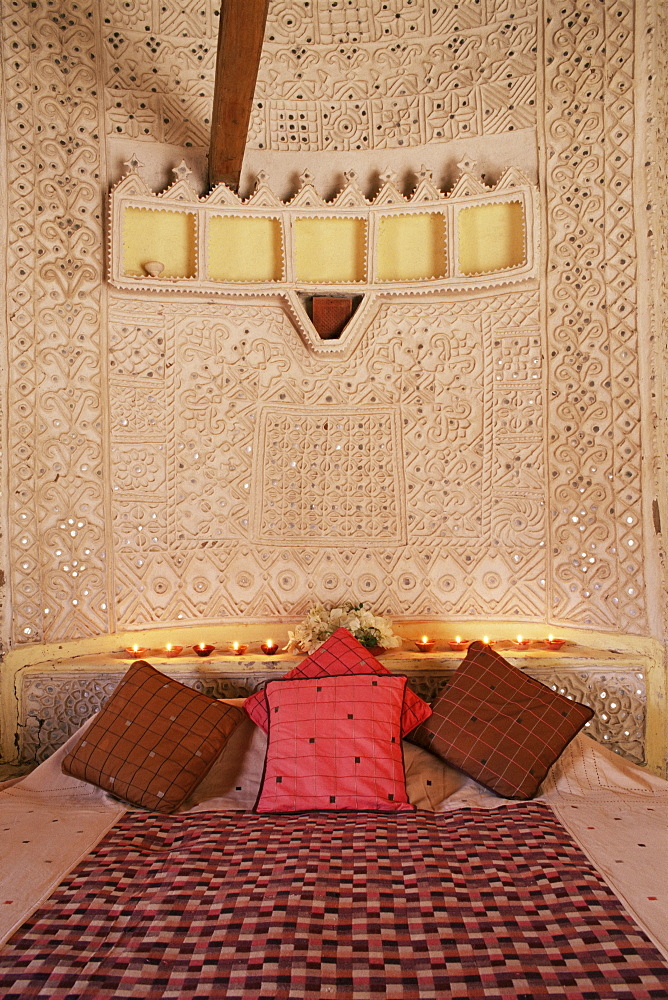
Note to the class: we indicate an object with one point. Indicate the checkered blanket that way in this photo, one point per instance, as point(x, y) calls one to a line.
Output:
point(476, 903)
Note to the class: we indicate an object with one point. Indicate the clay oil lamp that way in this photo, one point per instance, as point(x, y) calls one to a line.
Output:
point(204, 648)
point(425, 644)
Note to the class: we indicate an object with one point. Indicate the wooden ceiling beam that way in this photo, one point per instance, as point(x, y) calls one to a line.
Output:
point(240, 38)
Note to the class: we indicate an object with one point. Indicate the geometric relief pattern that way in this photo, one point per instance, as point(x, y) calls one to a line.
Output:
point(399, 73)
point(330, 480)
point(54, 283)
point(340, 76)
point(656, 241)
point(497, 467)
point(595, 448)
point(54, 705)
point(250, 476)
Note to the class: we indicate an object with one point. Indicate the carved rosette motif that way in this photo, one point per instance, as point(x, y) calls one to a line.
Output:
point(54, 275)
point(596, 517)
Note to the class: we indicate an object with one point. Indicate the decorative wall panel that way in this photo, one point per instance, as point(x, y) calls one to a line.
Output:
point(368, 75)
point(655, 69)
point(499, 453)
point(595, 454)
point(250, 476)
point(54, 292)
point(476, 235)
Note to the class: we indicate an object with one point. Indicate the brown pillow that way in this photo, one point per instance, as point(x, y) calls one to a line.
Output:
point(153, 741)
point(499, 726)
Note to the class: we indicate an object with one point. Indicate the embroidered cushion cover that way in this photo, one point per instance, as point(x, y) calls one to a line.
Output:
point(342, 654)
point(334, 743)
point(153, 741)
point(499, 726)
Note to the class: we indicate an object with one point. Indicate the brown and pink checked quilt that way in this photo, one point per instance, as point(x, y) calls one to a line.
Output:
point(470, 904)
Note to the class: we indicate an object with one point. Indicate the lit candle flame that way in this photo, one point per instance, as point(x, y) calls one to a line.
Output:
point(519, 638)
point(135, 648)
point(201, 645)
point(425, 638)
point(235, 645)
point(550, 638)
point(168, 647)
point(485, 639)
point(458, 638)
point(269, 642)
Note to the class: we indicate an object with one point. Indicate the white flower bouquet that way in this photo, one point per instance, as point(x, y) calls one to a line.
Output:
point(370, 630)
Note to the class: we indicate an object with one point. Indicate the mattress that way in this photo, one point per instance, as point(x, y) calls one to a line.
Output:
point(469, 896)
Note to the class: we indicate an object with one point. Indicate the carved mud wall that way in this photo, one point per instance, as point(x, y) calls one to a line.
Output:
point(375, 74)
point(491, 445)
point(655, 170)
point(250, 477)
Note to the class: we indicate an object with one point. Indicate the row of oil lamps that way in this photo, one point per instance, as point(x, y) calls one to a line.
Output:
point(458, 645)
point(203, 649)
point(269, 647)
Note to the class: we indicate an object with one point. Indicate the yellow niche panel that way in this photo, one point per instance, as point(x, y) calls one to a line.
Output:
point(491, 237)
point(168, 237)
point(244, 249)
point(411, 247)
point(330, 250)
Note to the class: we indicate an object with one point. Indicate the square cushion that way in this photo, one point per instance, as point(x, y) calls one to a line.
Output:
point(153, 741)
point(342, 654)
point(334, 743)
point(499, 726)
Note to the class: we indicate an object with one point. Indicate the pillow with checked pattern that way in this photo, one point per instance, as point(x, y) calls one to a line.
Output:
point(341, 654)
point(499, 726)
point(334, 743)
point(153, 741)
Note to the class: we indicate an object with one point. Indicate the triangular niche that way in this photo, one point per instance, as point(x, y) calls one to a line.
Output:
point(300, 310)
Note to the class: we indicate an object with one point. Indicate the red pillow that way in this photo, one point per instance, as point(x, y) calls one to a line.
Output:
point(335, 743)
point(500, 726)
point(341, 654)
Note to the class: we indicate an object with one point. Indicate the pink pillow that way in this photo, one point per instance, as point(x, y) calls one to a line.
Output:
point(339, 655)
point(335, 743)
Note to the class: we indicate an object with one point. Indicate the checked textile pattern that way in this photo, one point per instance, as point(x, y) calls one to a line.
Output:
point(346, 905)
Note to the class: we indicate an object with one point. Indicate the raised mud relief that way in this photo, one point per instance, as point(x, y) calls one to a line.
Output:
point(339, 76)
point(54, 292)
point(273, 477)
point(594, 444)
point(502, 440)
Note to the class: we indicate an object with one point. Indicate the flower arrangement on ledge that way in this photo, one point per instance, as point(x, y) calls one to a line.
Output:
point(370, 630)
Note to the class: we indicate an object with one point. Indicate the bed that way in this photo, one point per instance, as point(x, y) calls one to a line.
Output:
point(461, 894)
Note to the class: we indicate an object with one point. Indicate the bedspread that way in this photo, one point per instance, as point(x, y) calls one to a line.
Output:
point(473, 903)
